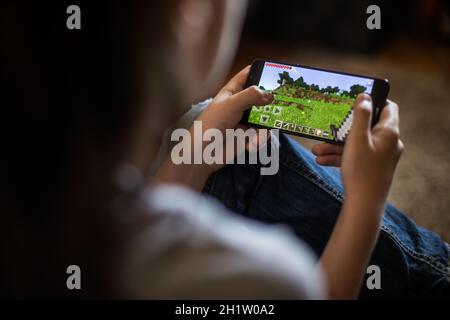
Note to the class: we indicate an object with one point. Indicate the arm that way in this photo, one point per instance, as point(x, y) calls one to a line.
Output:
point(193, 176)
point(368, 162)
point(348, 250)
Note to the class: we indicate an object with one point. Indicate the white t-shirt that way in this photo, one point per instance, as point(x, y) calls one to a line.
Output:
point(188, 246)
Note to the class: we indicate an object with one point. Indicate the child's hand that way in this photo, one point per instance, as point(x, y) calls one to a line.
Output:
point(370, 156)
point(328, 154)
point(223, 113)
point(227, 108)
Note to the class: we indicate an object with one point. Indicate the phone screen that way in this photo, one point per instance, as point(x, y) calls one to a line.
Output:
point(308, 101)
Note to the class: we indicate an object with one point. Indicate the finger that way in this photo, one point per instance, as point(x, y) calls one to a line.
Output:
point(329, 160)
point(389, 117)
point(252, 96)
point(236, 84)
point(326, 148)
point(362, 118)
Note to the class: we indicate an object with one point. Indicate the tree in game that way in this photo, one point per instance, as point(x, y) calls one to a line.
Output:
point(331, 90)
point(300, 82)
point(356, 89)
point(262, 88)
point(285, 78)
point(328, 90)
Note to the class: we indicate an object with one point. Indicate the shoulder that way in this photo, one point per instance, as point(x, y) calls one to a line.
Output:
point(186, 245)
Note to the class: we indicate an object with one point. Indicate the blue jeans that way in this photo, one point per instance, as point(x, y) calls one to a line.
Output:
point(414, 262)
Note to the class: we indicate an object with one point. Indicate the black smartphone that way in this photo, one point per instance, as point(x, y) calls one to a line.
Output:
point(311, 102)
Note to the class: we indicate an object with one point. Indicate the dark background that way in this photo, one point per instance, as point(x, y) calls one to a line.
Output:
point(412, 50)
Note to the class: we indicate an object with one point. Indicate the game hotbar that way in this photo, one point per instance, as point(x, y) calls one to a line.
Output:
point(308, 101)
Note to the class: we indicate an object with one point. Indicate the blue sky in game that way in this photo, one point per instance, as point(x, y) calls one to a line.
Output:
point(270, 76)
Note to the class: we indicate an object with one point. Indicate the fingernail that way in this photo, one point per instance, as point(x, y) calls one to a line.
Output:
point(366, 104)
point(366, 97)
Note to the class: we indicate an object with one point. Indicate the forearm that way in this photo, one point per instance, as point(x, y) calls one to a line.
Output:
point(348, 251)
point(193, 176)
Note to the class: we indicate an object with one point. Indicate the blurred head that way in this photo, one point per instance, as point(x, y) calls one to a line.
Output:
point(193, 53)
point(80, 105)
point(205, 34)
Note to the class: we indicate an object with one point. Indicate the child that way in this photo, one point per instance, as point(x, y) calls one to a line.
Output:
point(86, 110)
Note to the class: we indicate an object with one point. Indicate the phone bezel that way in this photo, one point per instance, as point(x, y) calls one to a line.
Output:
point(379, 95)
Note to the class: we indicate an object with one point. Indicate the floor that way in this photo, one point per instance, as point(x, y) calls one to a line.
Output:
point(419, 73)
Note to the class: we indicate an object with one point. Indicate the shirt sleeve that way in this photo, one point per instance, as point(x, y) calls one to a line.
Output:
point(187, 246)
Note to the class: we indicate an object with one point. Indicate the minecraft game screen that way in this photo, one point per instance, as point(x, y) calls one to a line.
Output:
point(311, 102)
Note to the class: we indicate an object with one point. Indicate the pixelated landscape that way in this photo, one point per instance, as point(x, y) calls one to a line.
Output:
point(306, 107)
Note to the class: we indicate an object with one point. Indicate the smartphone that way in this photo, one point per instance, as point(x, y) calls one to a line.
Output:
point(311, 102)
